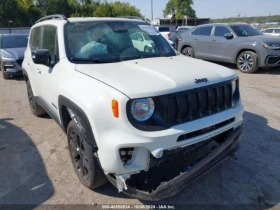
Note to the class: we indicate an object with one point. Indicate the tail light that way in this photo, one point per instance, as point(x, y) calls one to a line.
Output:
point(168, 35)
point(180, 38)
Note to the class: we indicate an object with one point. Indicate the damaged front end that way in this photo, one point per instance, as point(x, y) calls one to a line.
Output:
point(177, 167)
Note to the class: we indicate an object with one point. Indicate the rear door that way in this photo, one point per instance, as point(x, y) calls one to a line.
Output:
point(277, 32)
point(202, 41)
point(221, 47)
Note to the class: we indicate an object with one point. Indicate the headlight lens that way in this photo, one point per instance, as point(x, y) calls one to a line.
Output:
point(233, 85)
point(6, 55)
point(142, 109)
point(271, 46)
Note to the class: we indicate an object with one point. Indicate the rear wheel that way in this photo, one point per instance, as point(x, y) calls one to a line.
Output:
point(247, 62)
point(188, 51)
point(36, 109)
point(83, 158)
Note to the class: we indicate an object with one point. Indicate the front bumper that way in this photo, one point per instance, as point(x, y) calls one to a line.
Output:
point(192, 172)
point(13, 68)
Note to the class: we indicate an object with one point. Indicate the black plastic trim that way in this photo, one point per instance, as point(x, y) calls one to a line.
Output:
point(48, 109)
point(63, 101)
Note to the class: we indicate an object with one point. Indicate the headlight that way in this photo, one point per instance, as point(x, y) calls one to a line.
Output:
point(6, 55)
point(233, 86)
point(235, 93)
point(142, 109)
point(271, 46)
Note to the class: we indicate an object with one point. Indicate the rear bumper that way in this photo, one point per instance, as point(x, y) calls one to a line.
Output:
point(172, 187)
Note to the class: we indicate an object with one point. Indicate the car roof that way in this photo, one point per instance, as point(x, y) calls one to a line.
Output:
point(224, 24)
point(85, 19)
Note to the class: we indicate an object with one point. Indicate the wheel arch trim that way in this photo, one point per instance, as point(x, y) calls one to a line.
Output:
point(75, 112)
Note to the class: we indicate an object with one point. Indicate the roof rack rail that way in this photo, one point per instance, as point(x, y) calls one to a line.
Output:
point(50, 17)
point(130, 17)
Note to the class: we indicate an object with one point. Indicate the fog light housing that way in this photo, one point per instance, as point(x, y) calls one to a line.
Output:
point(126, 155)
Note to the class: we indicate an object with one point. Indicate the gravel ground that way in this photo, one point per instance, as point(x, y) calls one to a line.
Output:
point(35, 166)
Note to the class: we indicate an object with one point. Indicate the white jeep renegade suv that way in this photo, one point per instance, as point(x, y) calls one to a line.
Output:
point(149, 121)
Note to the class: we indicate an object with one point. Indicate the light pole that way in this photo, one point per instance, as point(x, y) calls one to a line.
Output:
point(152, 9)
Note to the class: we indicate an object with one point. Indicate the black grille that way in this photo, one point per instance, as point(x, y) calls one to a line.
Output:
point(19, 61)
point(194, 104)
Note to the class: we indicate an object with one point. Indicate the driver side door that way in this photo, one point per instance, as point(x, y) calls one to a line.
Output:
point(222, 48)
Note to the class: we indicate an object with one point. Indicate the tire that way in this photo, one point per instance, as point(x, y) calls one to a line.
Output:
point(247, 62)
point(188, 51)
point(5, 76)
point(83, 159)
point(36, 109)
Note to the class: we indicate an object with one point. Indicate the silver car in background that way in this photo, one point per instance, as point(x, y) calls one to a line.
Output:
point(12, 48)
point(236, 43)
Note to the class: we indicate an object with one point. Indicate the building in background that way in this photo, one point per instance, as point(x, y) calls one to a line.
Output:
point(173, 24)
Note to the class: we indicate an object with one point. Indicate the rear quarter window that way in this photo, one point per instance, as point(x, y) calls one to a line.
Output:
point(163, 29)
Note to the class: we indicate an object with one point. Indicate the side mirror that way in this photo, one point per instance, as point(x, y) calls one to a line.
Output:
point(229, 36)
point(41, 56)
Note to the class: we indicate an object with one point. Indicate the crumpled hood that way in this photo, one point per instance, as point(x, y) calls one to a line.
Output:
point(15, 52)
point(157, 76)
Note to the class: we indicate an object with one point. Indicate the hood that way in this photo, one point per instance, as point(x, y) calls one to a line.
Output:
point(268, 38)
point(15, 52)
point(157, 76)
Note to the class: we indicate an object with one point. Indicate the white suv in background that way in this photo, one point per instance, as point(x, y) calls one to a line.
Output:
point(149, 121)
point(271, 31)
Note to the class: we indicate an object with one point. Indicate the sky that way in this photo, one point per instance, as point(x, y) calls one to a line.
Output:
point(215, 8)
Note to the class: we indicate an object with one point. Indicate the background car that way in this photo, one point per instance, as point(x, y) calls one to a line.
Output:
point(12, 48)
point(176, 38)
point(142, 41)
point(183, 28)
point(164, 31)
point(271, 31)
point(237, 43)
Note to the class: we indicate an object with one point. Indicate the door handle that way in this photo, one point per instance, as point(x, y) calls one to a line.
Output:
point(214, 40)
point(195, 39)
point(38, 71)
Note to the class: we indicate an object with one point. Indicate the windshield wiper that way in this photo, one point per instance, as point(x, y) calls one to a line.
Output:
point(91, 60)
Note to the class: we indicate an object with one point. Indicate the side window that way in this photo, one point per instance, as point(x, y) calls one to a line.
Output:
point(205, 31)
point(277, 31)
point(221, 31)
point(196, 31)
point(50, 42)
point(35, 38)
point(268, 31)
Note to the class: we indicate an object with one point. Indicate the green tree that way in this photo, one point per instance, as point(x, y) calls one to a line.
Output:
point(104, 10)
point(179, 8)
point(124, 9)
point(170, 9)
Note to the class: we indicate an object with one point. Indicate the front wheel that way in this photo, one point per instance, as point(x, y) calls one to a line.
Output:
point(83, 158)
point(188, 51)
point(247, 62)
